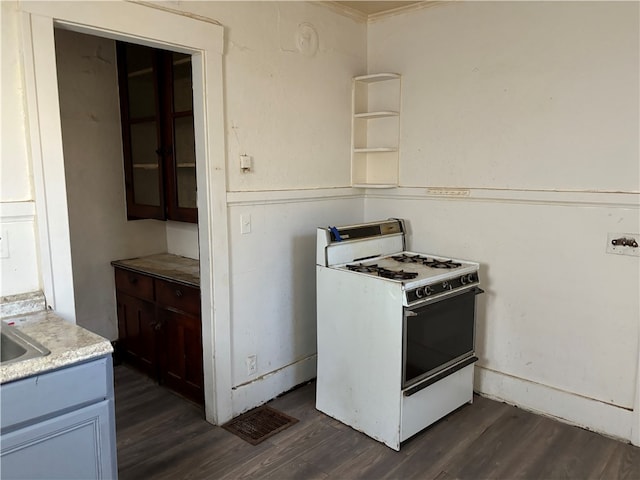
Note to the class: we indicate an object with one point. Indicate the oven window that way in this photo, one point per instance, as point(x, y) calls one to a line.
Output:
point(439, 335)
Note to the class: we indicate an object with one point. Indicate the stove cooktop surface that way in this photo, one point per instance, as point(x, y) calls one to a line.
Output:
point(412, 268)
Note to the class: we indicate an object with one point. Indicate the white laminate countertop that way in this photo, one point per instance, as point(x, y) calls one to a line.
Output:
point(67, 342)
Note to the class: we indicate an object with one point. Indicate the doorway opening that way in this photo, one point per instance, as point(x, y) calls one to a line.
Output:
point(127, 131)
point(204, 42)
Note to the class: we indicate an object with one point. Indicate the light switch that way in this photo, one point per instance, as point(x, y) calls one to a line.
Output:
point(245, 163)
point(245, 223)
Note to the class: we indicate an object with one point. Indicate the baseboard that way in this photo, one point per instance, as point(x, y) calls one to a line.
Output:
point(252, 394)
point(564, 406)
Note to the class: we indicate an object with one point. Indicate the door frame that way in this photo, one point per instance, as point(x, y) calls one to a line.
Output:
point(146, 25)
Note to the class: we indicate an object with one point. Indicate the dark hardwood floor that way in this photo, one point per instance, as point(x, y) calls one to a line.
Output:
point(162, 436)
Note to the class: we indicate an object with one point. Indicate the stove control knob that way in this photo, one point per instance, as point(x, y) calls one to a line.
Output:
point(420, 292)
point(445, 285)
point(463, 280)
point(428, 291)
point(471, 278)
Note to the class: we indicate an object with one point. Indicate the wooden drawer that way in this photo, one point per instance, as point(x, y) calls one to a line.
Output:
point(177, 296)
point(135, 284)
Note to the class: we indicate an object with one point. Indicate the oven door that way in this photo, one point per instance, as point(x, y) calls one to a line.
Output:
point(438, 335)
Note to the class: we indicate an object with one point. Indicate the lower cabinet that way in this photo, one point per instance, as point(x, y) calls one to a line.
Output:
point(137, 332)
point(159, 330)
point(182, 353)
point(60, 424)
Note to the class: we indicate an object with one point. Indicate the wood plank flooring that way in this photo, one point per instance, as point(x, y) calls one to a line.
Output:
point(162, 436)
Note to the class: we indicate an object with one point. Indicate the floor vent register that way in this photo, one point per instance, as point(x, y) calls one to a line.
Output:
point(259, 424)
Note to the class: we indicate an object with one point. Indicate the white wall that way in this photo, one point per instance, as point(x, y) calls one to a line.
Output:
point(273, 287)
point(182, 239)
point(532, 95)
point(288, 110)
point(531, 108)
point(19, 260)
point(15, 178)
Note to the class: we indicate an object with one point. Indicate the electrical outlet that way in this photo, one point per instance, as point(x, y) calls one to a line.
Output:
point(252, 364)
point(623, 244)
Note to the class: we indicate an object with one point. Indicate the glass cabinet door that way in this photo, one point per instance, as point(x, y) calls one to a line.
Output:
point(156, 104)
point(141, 132)
point(181, 201)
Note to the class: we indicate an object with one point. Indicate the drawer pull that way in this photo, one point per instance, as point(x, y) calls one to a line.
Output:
point(133, 280)
point(178, 293)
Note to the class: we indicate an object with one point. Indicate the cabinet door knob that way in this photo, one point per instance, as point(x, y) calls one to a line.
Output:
point(164, 150)
point(133, 280)
point(178, 293)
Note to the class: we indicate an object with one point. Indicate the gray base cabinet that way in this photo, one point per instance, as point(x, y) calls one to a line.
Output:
point(60, 424)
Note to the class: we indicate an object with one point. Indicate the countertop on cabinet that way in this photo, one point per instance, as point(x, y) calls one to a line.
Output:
point(164, 266)
point(67, 342)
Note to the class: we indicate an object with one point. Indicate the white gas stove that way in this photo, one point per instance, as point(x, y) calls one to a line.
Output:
point(396, 331)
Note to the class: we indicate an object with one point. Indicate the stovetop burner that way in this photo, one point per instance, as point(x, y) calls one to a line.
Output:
point(382, 272)
point(413, 269)
point(396, 274)
point(363, 268)
point(429, 262)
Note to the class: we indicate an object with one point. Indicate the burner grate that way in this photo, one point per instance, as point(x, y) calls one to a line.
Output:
point(363, 268)
point(441, 263)
point(396, 274)
point(259, 424)
point(404, 258)
point(429, 262)
point(382, 272)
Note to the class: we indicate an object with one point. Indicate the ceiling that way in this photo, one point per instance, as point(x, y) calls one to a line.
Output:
point(370, 8)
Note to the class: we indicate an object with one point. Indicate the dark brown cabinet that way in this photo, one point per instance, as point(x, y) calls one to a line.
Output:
point(160, 330)
point(181, 369)
point(156, 110)
point(136, 330)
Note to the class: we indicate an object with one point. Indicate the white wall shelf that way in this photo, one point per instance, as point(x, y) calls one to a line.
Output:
point(375, 150)
point(376, 114)
point(374, 185)
point(377, 77)
point(375, 134)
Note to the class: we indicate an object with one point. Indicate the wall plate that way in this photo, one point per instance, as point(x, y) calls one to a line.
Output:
point(252, 364)
point(622, 244)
